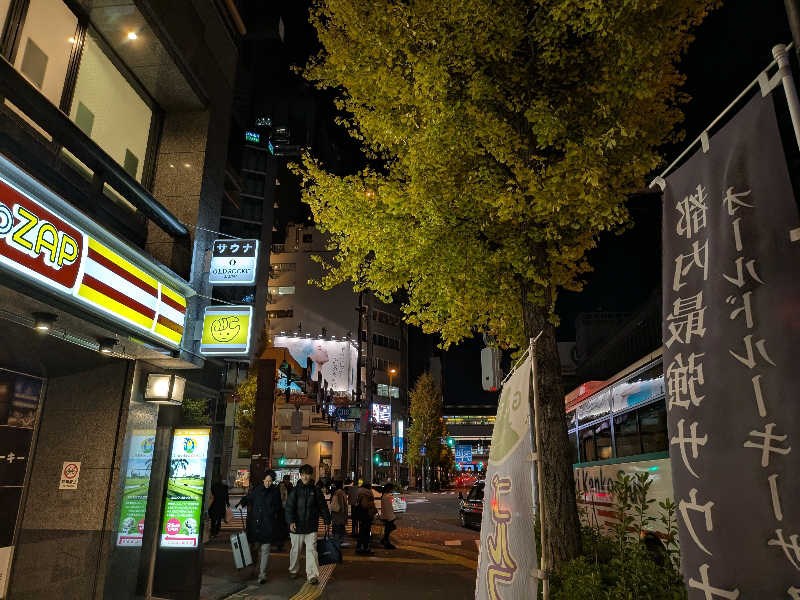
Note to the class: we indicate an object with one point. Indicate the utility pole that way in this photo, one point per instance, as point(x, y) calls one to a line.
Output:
point(359, 385)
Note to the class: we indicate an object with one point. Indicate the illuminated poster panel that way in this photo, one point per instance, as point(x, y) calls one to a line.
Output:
point(137, 482)
point(183, 510)
point(335, 359)
point(226, 330)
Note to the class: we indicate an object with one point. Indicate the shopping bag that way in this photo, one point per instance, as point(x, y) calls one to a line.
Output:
point(241, 548)
point(228, 515)
point(329, 551)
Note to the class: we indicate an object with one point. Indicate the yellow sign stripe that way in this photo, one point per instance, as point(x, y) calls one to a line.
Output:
point(167, 333)
point(165, 291)
point(115, 307)
point(121, 262)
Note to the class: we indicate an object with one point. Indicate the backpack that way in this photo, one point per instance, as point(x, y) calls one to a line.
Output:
point(367, 504)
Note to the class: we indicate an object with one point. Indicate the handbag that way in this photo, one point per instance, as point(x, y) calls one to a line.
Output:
point(228, 515)
point(328, 550)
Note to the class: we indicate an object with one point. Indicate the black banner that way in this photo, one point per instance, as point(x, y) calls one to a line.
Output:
point(731, 282)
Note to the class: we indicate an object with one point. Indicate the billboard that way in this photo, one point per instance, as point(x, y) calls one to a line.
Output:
point(382, 414)
point(233, 262)
point(183, 510)
point(336, 360)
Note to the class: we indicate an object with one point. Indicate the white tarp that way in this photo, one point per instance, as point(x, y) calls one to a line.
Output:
point(508, 545)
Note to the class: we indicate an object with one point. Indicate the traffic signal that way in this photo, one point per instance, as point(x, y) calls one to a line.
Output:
point(376, 459)
point(480, 466)
point(282, 461)
point(451, 442)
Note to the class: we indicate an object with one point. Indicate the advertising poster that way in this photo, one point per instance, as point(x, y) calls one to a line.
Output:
point(137, 482)
point(336, 360)
point(183, 510)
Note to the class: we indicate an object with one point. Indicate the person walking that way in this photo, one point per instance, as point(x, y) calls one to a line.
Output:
point(352, 499)
point(364, 512)
point(304, 506)
point(339, 513)
point(284, 487)
point(387, 515)
point(219, 506)
point(263, 508)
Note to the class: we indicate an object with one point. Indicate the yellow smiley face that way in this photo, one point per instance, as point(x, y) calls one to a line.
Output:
point(225, 329)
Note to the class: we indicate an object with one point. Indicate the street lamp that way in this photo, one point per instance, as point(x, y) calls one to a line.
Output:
point(395, 470)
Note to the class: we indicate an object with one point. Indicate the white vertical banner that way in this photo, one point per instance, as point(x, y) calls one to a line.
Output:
point(507, 561)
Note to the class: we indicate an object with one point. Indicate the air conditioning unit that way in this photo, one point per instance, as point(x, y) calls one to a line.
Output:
point(491, 376)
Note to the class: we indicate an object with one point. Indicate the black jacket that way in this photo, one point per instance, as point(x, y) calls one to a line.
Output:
point(221, 500)
point(304, 506)
point(263, 508)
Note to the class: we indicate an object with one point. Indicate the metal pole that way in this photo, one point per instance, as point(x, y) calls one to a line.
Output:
point(793, 16)
point(536, 435)
point(785, 71)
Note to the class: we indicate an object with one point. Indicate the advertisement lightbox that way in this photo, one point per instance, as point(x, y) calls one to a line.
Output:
point(233, 262)
point(336, 360)
point(137, 482)
point(183, 508)
point(382, 414)
point(226, 330)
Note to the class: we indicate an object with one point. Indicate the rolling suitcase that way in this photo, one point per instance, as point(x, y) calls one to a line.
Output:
point(241, 548)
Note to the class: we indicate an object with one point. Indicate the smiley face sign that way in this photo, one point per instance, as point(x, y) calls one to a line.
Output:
point(224, 329)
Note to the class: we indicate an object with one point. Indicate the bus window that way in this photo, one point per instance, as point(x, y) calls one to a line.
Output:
point(626, 435)
point(588, 453)
point(653, 425)
point(573, 447)
point(602, 439)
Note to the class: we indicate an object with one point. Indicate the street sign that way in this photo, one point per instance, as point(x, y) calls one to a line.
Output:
point(70, 472)
point(464, 454)
point(233, 262)
point(422, 450)
point(348, 412)
point(348, 427)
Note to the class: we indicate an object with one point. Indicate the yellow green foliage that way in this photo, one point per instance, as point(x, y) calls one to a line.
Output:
point(506, 136)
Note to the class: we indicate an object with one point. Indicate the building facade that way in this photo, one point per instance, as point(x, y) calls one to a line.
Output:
point(113, 137)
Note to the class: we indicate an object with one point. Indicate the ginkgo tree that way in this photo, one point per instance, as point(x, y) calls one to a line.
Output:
point(502, 137)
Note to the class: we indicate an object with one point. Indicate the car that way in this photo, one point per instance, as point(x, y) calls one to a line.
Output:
point(470, 509)
point(398, 499)
point(465, 480)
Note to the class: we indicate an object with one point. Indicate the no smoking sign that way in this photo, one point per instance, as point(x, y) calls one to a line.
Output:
point(70, 472)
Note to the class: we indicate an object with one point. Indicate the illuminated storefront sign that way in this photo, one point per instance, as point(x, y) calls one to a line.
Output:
point(382, 414)
point(137, 483)
point(233, 262)
point(43, 246)
point(226, 330)
point(183, 510)
point(252, 136)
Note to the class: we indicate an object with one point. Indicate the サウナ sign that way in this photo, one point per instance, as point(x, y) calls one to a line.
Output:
point(233, 262)
point(41, 245)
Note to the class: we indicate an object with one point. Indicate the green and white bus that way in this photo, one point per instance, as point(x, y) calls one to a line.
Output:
point(620, 425)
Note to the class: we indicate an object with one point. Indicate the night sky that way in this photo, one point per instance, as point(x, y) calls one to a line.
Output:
point(731, 47)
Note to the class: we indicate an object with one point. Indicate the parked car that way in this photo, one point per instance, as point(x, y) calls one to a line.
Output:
point(398, 499)
point(464, 480)
point(470, 509)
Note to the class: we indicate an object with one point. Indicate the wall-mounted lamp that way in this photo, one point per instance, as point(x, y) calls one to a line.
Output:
point(163, 388)
point(43, 321)
point(107, 345)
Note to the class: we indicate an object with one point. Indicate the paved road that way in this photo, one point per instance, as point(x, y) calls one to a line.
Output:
point(435, 558)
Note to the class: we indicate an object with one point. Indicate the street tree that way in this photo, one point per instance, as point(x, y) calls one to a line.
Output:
point(502, 138)
point(427, 428)
point(246, 410)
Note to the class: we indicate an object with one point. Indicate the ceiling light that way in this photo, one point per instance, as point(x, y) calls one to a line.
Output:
point(71, 40)
point(43, 321)
point(132, 35)
point(107, 345)
point(187, 165)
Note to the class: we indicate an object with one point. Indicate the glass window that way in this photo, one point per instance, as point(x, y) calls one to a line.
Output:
point(476, 493)
point(647, 385)
point(109, 110)
point(653, 425)
point(588, 453)
point(45, 46)
point(573, 448)
point(602, 438)
point(626, 435)
point(594, 407)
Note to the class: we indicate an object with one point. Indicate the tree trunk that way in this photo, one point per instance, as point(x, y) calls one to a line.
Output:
point(561, 525)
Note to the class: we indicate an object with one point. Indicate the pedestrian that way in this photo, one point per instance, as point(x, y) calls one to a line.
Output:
point(263, 509)
point(364, 512)
point(220, 502)
point(387, 515)
point(284, 487)
point(352, 499)
point(339, 512)
point(304, 506)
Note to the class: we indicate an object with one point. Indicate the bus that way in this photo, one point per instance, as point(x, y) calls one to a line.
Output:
point(620, 425)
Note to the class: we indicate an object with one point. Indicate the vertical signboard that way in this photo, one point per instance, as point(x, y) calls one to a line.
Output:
point(137, 482)
point(226, 330)
point(233, 262)
point(183, 509)
point(507, 559)
point(731, 334)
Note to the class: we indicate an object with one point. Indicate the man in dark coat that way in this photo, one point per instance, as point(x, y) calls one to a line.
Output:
point(304, 506)
point(219, 506)
point(263, 509)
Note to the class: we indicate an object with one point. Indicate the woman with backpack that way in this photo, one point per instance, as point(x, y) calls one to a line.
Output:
point(364, 512)
point(339, 512)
